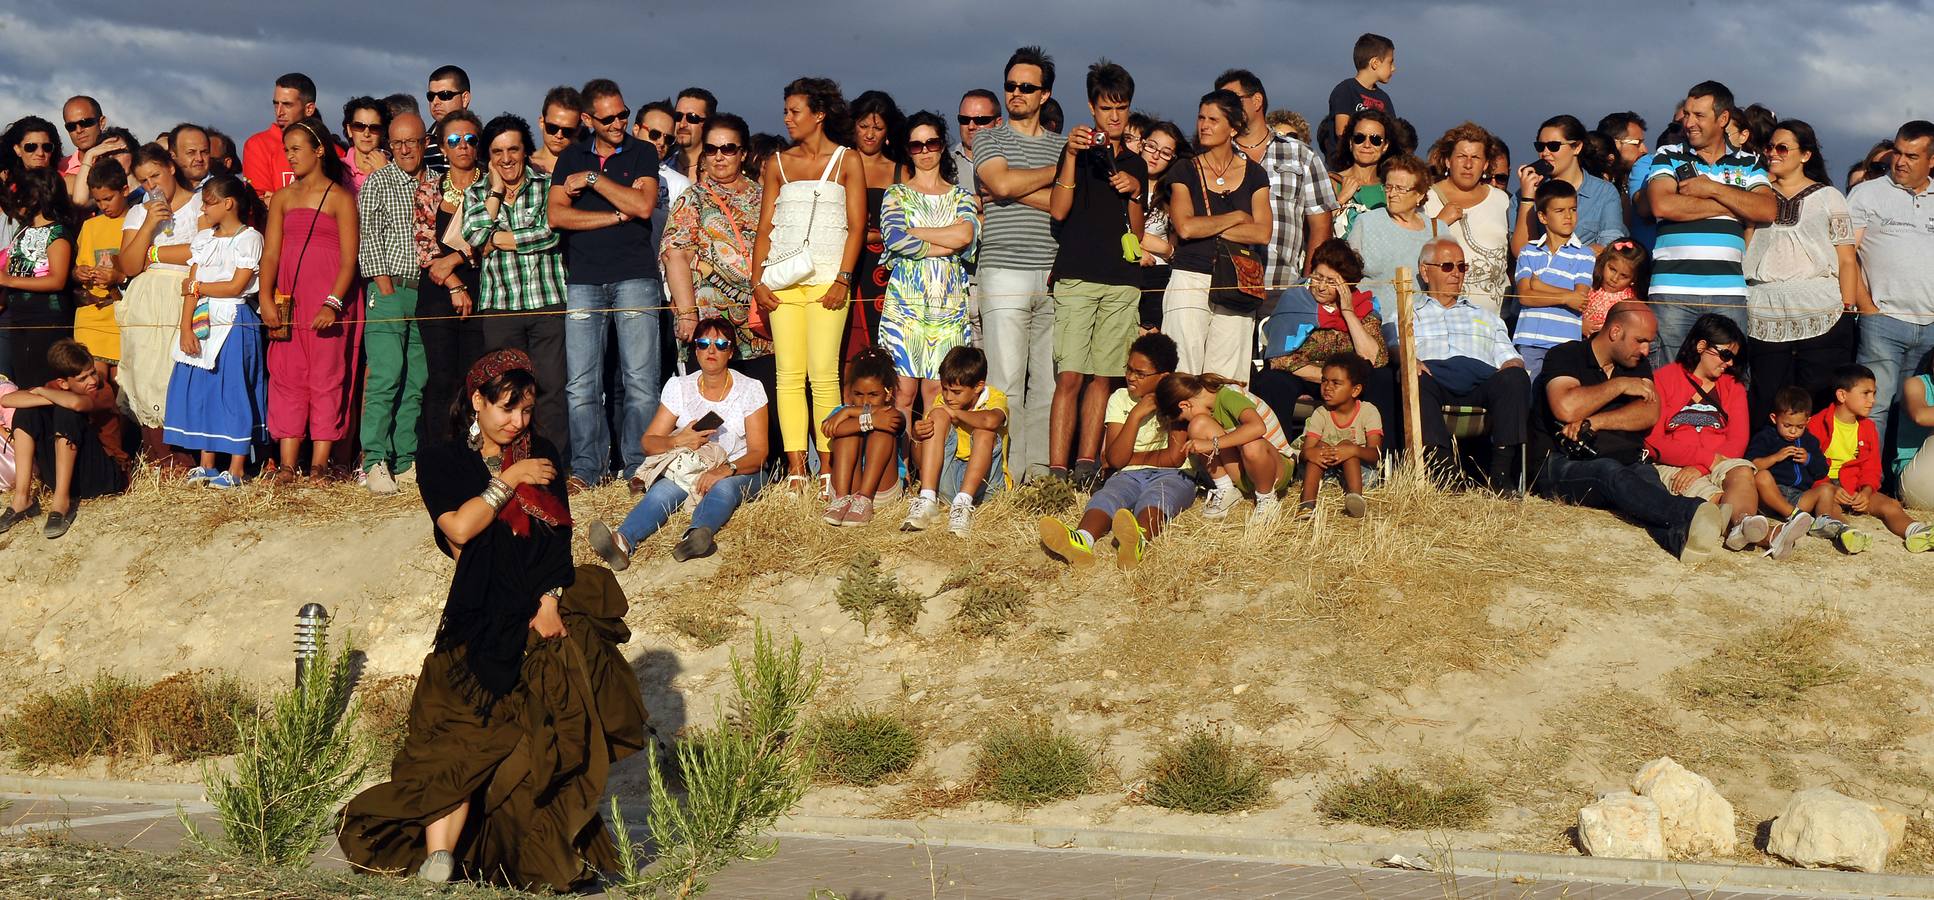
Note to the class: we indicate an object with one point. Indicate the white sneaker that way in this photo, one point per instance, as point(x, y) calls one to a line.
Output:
point(1789, 535)
point(378, 480)
point(1220, 501)
point(923, 513)
point(1266, 511)
point(959, 516)
point(1750, 532)
point(407, 476)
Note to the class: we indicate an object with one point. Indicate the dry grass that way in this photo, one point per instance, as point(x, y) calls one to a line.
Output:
point(54, 866)
point(185, 716)
point(925, 794)
point(153, 504)
point(384, 716)
point(1389, 799)
point(188, 715)
point(1617, 731)
point(1771, 666)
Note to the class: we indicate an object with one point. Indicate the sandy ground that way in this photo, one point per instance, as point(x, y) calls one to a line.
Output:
point(1545, 652)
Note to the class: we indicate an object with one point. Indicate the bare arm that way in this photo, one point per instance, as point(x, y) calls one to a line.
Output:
point(1668, 205)
point(1061, 199)
point(60, 264)
point(996, 180)
point(981, 419)
point(1850, 280)
point(1572, 402)
point(345, 215)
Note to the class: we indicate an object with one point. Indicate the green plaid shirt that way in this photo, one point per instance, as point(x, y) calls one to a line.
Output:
point(531, 276)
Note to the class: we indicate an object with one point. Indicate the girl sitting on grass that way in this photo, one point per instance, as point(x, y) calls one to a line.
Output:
point(864, 434)
point(1236, 435)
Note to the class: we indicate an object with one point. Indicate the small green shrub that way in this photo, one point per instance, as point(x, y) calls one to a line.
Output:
point(987, 609)
point(1387, 799)
point(67, 724)
point(1205, 773)
point(866, 590)
point(709, 629)
point(1029, 764)
point(1043, 497)
point(854, 746)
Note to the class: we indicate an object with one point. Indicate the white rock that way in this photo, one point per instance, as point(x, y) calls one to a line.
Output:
point(1822, 828)
point(1696, 820)
point(1622, 824)
point(1894, 822)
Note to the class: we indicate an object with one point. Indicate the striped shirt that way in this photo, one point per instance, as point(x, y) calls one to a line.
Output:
point(531, 276)
point(1703, 258)
point(1013, 234)
point(1299, 187)
point(1567, 269)
point(1461, 329)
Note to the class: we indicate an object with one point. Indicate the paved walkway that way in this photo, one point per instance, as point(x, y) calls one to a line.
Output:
point(822, 868)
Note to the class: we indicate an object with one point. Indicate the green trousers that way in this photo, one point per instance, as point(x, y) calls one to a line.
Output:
point(393, 391)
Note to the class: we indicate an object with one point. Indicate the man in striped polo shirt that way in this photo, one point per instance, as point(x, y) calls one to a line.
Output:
point(1704, 194)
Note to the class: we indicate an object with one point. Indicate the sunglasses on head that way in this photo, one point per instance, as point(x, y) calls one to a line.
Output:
point(554, 128)
point(711, 343)
point(930, 145)
point(460, 140)
point(445, 96)
point(1022, 87)
point(1725, 355)
point(79, 124)
point(605, 121)
point(362, 127)
point(36, 148)
point(1459, 267)
point(721, 149)
point(1374, 140)
point(980, 121)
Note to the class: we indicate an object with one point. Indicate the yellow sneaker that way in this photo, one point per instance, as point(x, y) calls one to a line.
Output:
point(1130, 541)
point(1068, 543)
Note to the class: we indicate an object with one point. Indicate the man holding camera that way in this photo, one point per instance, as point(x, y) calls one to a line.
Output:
point(1593, 405)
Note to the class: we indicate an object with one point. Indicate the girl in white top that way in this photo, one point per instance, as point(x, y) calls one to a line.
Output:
point(1474, 214)
point(217, 394)
point(827, 214)
point(154, 253)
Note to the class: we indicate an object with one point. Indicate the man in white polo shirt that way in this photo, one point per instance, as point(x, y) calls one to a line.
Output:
point(1893, 222)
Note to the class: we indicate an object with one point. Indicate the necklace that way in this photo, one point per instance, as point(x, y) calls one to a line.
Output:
point(1218, 173)
point(1259, 142)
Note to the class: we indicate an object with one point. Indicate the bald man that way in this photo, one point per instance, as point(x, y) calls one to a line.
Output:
point(1594, 404)
point(1467, 359)
point(387, 252)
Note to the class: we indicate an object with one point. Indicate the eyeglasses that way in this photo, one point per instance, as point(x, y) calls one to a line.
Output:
point(445, 96)
point(1498, 178)
point(554, 128)
point(1780, 149)
point(79, 124)
point(1629, 142)
point(1460, 267)
point(362, 127)
point(1137, 374)
point(977, 121)
point(460, 140)
point(1374, 140)
point(1395, 189)
point(931, 145)
point(721, 149)
point(398, 144)
point(719, 344)
point(605, 121)
point(654, 134)
point(1550, 146)
point(1022, 87)
point(1725, 355)
point(36, 148)
point(1159, 152)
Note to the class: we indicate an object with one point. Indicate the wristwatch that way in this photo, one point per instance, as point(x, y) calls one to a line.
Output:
point(845, 278)
point(591, 179)
point(866, 421)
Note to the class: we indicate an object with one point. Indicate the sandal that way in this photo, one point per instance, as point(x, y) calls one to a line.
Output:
point(797, 484)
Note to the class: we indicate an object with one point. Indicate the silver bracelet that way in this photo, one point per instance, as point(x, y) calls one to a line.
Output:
point(496, 493)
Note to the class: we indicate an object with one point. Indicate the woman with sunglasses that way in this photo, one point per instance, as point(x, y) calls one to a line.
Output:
point(365, 126)
point(1698, 443)
point(1369, 138)
point(29, 143)
point(879, 134)
point(930, 226)
point(1561, 145)
point(730, 450)
point(1802, 276)
point(1472, 208)
point(446, 296)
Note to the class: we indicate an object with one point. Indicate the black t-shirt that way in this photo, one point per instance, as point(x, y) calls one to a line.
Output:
point(1348, 98)
point(1090, 248)
point(613, 253)
point(1575, 358)
point(1198, 255)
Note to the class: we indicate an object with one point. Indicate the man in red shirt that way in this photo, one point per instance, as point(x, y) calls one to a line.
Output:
point(264, 163)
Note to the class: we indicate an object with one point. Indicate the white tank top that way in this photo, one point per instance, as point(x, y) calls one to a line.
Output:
point(812, 213)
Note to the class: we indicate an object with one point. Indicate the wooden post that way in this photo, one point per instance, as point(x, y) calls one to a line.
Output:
point(1413, 422)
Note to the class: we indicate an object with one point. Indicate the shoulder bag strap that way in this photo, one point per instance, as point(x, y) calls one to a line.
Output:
point(303, 253)
point(725, 210)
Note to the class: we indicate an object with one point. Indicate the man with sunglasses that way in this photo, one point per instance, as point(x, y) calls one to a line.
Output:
point(603, 192)
point(689, 112)
point(386, 251)
point(1466, 358)
point(448, 92)
point(86, 127)
point(979, 111)
point(1014, 167)
point(264, 163)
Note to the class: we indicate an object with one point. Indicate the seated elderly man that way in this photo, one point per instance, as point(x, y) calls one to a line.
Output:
point(1594, 405)
point(1466, 358)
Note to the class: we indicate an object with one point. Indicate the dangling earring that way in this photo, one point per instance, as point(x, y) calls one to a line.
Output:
point(476, 435)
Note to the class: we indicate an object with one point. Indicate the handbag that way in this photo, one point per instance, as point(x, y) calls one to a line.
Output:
point(790, 267)
point(1235, 278)
point(285, 300)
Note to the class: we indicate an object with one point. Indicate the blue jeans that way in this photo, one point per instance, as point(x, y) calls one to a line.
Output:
point(1675, 320)
point(1632, 489)
point(953, 471)
point(593, 308)
point(1892, 348)
point(665, 497)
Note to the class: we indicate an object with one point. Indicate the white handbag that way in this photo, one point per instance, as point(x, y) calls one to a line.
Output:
point(788, 268)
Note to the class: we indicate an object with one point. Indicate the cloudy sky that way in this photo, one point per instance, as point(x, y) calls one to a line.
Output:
point(1506, 65)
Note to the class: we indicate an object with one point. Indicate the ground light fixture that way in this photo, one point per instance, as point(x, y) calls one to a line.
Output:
point(311, 632)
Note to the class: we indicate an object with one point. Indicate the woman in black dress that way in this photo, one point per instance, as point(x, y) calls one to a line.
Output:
point(524, 701)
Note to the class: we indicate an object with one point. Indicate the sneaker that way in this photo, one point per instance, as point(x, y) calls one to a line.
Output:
point(859, 513)
point(1220, 501)
point(438, 868)
point(1130, 541)
point(58, 523)
point(1751, 531)
point(1266, 511)
point(224, 480)
point(1850, 542)
point(1789, 534)
point(959, 517)
point(610, 546)
point(1306, 509)
point(1068, 543)
point(889, 492)
point(1827, 527)
point(1920, 538)
point(14, 517)
point(199, 475)
point(835, 514)
point(379, 481)
point(1706, 532)
point(923, 513)
point(696, 544)
point(407, 476)
point(1355, 506)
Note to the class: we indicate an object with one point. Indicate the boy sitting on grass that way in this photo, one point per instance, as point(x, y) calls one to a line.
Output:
point(1792, 476)
point(1148, 487)
point(69, 432)
point(1342, 438)
point(1852, 448)
point(961, 445)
